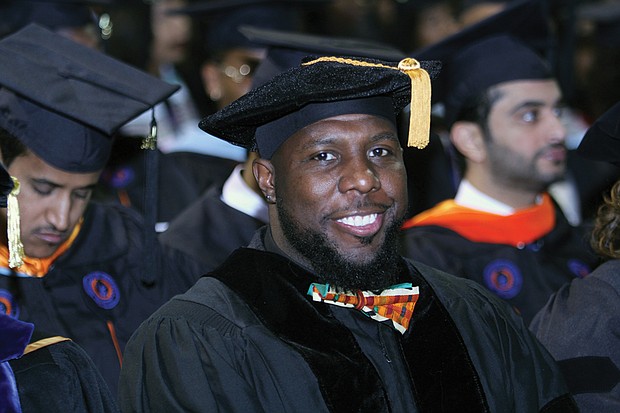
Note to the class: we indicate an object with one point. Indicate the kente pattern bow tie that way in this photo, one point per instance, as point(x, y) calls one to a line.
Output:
point(395, 303)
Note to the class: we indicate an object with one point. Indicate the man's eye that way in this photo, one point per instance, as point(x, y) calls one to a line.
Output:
point(530, 116)
point(324, 156)
point(42, 190)
point(82, 194)
point(378, 152)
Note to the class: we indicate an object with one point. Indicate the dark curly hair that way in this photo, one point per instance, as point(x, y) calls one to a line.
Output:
point(10, 147)
point(605, 237)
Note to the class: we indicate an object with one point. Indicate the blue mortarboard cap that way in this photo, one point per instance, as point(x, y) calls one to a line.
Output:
point(286, 49)
point(602, 139)
point(505, 47)
point(64, 100)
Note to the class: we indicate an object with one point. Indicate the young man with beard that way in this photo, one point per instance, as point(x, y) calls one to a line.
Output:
point(502, 229)
point(320, 313)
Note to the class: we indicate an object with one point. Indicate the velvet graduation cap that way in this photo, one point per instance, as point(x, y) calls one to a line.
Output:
point(501, 48)
point(602, 139)
point(64, 100)
point(327, 86)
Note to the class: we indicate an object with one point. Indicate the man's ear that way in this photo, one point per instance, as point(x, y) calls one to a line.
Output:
point(468, 139)
point(265, 176)
point(209, 73)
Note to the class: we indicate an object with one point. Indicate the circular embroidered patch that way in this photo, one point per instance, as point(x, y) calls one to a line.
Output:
point(120, 177)
point(578, 268)
point(8, 305)
point(102, 288)
point(503, 278)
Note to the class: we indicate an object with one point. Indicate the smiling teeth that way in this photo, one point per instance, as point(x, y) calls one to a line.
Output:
point(359, 221)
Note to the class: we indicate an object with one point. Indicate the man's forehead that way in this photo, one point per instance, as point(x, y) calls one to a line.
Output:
point(41, 171)
point(342, 131)
point(543, 91)
point(358, 117)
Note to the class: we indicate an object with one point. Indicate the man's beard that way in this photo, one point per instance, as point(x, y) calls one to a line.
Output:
point(514, 171)
point(332, 267)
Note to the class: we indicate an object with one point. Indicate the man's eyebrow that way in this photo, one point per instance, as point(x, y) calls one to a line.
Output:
point(323, 140)
point(385, 136)
point(44, 181)
point(326, 140)
point(536, 104)
point(527, 104)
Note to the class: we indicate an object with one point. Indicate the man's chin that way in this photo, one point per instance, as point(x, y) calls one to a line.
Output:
point(40, 253)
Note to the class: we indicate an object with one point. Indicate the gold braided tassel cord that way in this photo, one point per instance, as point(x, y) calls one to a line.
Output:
point(150, 142)
point(16, 248)
point(420, 108)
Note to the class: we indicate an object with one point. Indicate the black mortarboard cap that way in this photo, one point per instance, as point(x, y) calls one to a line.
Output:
point(266, 116)
point(470, 3)
point(602, 139)
point(286, 49)
point(52, 14)
point(224, 17)
point(208, 7)
point(604, 16)
point(64, 100)
point(504, 47)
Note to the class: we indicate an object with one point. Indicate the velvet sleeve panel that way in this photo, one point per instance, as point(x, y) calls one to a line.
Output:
point(61, 378)
point(189, 357)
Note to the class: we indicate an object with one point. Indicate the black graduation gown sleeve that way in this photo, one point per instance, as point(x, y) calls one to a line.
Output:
point(61, 377)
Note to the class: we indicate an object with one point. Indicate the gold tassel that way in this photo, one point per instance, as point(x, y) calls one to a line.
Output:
point(150, 142)
point(16, 248)
point(420, 109)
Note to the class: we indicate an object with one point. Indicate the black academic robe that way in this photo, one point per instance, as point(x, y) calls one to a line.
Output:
point(182, 178)
point(59, 377)
point(209, 230)
point(580, 326)
point(249, 338)
point(97, 292)
point(525, 277)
